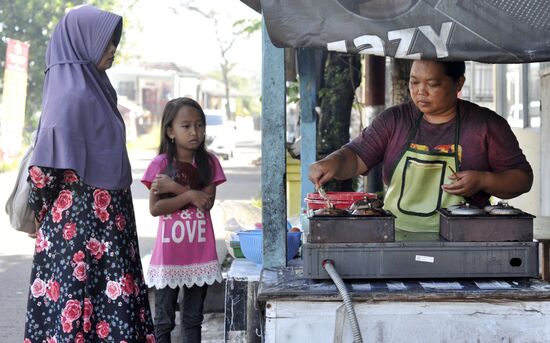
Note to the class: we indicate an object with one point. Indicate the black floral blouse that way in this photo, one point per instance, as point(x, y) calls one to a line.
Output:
point(87, 282)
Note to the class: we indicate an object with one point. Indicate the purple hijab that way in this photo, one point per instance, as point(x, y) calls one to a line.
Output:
point(80, 127)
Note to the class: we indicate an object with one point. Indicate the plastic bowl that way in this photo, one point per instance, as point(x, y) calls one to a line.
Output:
point(252, 245)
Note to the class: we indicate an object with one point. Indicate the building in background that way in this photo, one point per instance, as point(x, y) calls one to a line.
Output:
point(512, 90)
point(150, 85)
point(212, 95)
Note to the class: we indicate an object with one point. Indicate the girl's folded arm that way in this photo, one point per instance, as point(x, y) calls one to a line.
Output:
point(164, 184)
point(159, 207)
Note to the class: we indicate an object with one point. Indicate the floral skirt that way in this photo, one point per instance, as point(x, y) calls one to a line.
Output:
point(87, 281)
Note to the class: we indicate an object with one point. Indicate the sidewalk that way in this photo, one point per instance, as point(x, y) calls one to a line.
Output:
point(16, 251)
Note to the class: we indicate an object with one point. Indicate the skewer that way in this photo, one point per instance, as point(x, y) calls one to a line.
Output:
point(467, 200)
point(325, 196)
point(454, 173)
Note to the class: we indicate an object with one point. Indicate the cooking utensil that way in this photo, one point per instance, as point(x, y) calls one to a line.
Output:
point(454, 173)
point(452, 207)
point(367, 207)
point(485, 227)
point(467, 210)
point(366, 203)
point(368, 212)
point(502, 208)
point(330, 212)
point(325, 197)
point(351, 229)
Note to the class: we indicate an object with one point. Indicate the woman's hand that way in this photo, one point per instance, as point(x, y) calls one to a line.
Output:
point(322, 171)
point(341, 165)
point(466, 183)
point(505, 185)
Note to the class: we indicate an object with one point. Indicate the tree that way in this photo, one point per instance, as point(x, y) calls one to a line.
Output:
point(240, 29)
point(400, 80)
point(341, 77)
point(247, 103)
point(33, 21)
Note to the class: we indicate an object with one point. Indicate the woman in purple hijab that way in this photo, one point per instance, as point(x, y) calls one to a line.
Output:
point(87, 280)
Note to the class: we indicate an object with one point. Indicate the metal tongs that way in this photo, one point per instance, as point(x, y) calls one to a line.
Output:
point(325, 196)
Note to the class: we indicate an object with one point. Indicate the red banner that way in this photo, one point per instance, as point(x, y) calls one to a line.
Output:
point(17, 55)
point(12, 118)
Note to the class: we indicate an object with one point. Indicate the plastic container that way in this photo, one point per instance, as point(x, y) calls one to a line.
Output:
point(235, 249)
point(252, 245)
point(344, 200)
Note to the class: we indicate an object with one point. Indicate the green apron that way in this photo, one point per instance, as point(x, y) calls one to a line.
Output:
point(414, 193)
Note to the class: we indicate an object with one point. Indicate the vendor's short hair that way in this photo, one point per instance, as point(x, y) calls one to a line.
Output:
point(454, 69)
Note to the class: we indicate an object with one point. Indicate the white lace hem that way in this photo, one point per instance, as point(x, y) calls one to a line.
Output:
point(160, 276)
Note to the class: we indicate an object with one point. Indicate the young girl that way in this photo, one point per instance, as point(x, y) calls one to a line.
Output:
point(185, 250)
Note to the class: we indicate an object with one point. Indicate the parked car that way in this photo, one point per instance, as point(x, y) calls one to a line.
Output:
point(220, 134)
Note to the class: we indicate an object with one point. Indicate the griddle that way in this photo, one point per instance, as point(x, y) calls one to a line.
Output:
point(351, 229)
point(426, 259)
point(486, 227)
point(482, 246)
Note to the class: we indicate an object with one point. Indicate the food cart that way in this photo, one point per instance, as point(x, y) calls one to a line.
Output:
point(445, 291)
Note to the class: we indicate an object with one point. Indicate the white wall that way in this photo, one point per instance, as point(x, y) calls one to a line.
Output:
point(529, 141)
point(410, 322)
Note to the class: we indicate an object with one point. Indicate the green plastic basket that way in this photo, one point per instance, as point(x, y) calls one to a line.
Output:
point(235, 249)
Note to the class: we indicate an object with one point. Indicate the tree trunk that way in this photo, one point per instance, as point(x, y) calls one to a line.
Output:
point(225, 75)
point(342, 75)
point(400, 80)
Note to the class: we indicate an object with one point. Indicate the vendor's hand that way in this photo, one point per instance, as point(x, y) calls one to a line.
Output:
point(465, 183)
point(322, 171)
point(201, 200)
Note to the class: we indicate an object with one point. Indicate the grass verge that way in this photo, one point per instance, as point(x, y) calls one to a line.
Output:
point(148, 141)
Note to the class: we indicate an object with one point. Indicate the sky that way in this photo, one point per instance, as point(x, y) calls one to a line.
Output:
point(188, 38)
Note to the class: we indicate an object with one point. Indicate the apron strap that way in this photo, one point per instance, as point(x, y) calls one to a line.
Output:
point(457, 139)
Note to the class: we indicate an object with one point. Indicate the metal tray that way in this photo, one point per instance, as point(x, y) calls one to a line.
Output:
point(351, 229)
point(486, 228)
point(413, 260)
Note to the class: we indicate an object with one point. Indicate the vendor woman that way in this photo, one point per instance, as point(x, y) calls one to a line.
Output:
point(421, 142)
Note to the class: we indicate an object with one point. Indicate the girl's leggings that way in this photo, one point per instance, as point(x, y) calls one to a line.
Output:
point(190, 306)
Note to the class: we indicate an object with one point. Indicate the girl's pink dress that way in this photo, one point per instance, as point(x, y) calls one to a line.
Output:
point(185, 249)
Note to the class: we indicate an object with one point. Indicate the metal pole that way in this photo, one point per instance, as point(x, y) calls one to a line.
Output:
point(273, 154)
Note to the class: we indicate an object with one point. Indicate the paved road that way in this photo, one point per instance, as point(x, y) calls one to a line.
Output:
point(16, 249)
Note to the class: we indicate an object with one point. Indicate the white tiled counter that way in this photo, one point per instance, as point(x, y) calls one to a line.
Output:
point(411, 311)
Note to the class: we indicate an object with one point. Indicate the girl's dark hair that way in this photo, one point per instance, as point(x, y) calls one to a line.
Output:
point(454, 70)
point(202, 159)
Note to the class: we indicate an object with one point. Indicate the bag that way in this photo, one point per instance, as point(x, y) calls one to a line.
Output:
point(17, 207)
